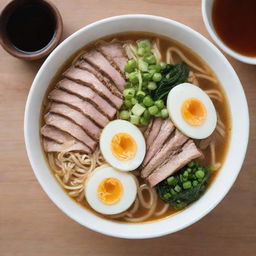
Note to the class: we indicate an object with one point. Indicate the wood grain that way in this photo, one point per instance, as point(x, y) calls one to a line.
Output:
point(30, 224)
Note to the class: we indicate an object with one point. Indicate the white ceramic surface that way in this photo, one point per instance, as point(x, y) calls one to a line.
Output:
point(207, 17)
point(201, 46)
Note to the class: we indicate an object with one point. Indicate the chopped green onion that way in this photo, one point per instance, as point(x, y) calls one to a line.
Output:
point(147, 101)
point(195, 183)
point(146, 76)
point(171, 181)
point(132, 63)
point(177, 188)
point(156, 68)
point(141, 51)
point(163, 65)
point(157, 77)
point(138, 109)
point(159, 104)
point(173, 192)
point(144, 121)
point(152, 86)
point(144, 44)
point(128, 68)
point(129, 93)
point(134, 119)
point(146, 114)
point(133, 77)
point(185, 174)
point(187, 185)
point(143, 66)
point(125, 115)
point(153, 110)
point(164, 113)
point(134, 101)
point(167, 195)
point(151, 72)
point(128, 103)
point(151, 59)
point(199, 174)
point(140, 95)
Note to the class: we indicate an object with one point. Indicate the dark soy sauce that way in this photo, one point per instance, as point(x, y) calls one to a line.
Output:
point(31, 26)
point(235, 23)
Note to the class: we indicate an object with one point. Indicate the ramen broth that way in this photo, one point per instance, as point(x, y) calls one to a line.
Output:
point(222, 108)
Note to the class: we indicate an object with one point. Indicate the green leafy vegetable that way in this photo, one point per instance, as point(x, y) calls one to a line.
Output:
point(172, 76)
point(185, 186)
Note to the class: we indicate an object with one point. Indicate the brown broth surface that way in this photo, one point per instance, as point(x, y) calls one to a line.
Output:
point(235, 23)
point(222, 108)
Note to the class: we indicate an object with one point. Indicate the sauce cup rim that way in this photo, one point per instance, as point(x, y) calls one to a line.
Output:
point(206, 8)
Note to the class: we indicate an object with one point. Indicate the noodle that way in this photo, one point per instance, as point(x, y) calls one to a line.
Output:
point(207, 77)
point(156, 51)
point(71, 169)
point(163, 210)
point(169, 59)
point(192, 78)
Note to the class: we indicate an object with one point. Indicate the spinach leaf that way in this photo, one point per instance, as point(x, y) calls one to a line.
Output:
point(172, 76)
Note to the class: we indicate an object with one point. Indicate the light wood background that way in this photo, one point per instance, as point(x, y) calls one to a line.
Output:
point(30, 224)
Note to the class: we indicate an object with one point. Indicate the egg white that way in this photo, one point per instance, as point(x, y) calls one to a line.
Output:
point(121, 126)
point(176, 98)
point(128, 182)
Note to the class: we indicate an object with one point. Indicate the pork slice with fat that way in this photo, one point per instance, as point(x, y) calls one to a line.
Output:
point(51, 146)
point(87, 78)
point(98, 60)
point(115, 53)
point(71, 128)
point(85, 107)
point(172, 146)
point(77, 117)
point(188, 152)
point(165, 131)
point(88, 94)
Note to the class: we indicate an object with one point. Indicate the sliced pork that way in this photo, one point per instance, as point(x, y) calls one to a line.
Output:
point(165, 131)
point(86, 108)
point(82, 64)
point(71, 128)
point(188, 152)
point(55, 134)
point(89, 95)
point(171, 147)
point(87, 78)
point(98, 60)
point(77, 117)
point(153, 130)
point(115, 53)
point(52, 146)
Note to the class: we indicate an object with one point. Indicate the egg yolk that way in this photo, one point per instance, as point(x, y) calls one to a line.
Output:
point(110, 190)
point(193, 112)
point(123, 146)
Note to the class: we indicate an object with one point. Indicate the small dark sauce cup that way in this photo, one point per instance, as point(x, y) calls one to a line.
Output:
point(30, 29)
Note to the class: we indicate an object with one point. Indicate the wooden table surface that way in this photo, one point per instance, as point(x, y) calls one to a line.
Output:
point(30, 224)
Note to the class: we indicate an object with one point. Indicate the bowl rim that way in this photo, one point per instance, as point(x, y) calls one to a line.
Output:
point(133, 234)
point(217, 39)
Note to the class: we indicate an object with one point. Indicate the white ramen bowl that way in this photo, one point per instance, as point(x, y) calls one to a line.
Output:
point(207, 17)
point(203, 48)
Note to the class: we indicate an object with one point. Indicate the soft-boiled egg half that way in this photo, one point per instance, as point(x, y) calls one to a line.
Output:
point(192, 111)
point(110, 191)
point(122, 145)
